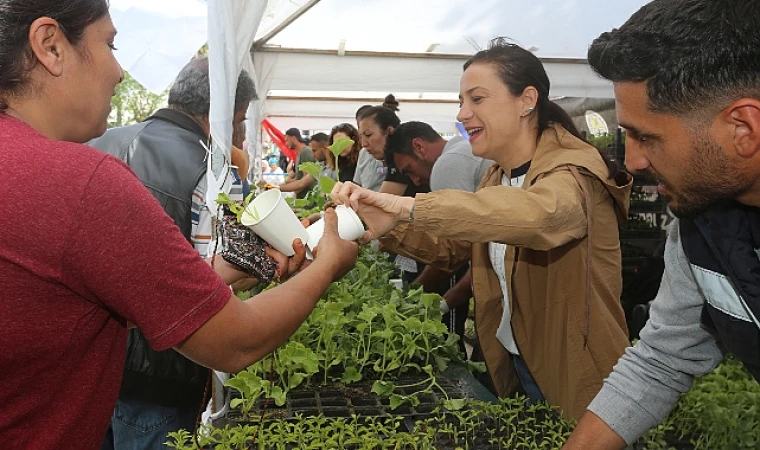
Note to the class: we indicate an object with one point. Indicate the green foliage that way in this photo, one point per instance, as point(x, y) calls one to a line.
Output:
point(721, 411)
point(476, 425)
point(238, 208)
point(363, 328)
point(133, 103)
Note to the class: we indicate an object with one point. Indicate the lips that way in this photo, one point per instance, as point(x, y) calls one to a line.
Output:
point(474, 132)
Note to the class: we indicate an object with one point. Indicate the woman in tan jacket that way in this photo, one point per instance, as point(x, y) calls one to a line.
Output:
point(542, 234)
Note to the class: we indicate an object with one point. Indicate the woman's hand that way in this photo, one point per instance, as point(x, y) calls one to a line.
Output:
point(380, 212)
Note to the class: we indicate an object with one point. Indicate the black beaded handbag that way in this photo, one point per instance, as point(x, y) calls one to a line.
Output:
point(244, 248)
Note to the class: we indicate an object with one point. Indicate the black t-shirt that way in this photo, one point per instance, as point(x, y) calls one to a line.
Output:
point(412, 189)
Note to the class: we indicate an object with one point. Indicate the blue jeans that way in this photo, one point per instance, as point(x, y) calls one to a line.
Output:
point(140, 425)
point(526, 380)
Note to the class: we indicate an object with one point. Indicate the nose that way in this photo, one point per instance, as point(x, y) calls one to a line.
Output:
point(415, 179)
point(465, 113)
point(635, 156)
point(121, 74)
point(364, 141)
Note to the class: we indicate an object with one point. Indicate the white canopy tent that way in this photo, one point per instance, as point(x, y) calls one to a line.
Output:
point(313, 57)
point(315, 62)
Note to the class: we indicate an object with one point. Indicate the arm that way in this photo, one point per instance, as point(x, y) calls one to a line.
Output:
point(298, 185)
point(392, 187)
point(651, 376)
point(434, 280)
point(461, 292)
point(244, 332)
point(546, 215)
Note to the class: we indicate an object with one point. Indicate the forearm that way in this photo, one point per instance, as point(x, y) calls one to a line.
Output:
point(277, 313)
point(297, 185)
point(461, 292)
point(230, 273)
point(592, 433)
point(392, 187)
point(544, 216)
point(434, 280)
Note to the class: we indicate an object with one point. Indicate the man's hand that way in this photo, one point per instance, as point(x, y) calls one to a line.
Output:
point(287, 266)
point(379, 212)
point(338, 254)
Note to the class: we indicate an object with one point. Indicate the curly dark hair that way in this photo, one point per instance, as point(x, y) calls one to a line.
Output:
point(353, 134)
point(695, 56)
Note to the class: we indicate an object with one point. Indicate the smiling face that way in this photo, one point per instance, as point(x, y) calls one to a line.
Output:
point(694, 168)
point(490, 113)
point(373, 138)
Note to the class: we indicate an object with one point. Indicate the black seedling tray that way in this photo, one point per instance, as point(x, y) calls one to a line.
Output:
point(339, 400)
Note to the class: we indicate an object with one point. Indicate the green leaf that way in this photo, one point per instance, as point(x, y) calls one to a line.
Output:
point(351, 375)
point(455, 404)
point(235, 402)
point(397, 400)
point(312, 168)
point(326, 184)
point(383, 388)
point(278, 395)
point(340, 145)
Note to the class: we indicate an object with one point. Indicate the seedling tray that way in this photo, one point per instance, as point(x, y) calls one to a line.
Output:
point(339, 400)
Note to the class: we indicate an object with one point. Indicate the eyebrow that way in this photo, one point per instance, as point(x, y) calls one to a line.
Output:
point(637, 132)
point(471, 90)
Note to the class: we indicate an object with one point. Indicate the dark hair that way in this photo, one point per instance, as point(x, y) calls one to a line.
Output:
point(16, 16)
point(382, 116)
point(692, 54)
point(400, 141)
point(352, 134)
point(518, 69)
point(390, 102)
point(322, 138)
point(361, 110)
point(191, 91)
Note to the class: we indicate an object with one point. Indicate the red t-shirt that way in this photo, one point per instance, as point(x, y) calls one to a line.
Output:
point(84, 247)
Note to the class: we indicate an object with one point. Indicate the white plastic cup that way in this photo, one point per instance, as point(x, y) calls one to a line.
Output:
point(270, 217)
point(350, 227)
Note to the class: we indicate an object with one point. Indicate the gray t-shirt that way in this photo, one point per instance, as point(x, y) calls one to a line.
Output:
point(457, 168)
point(370, 173)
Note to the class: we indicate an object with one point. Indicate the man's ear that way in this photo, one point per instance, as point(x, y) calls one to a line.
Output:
point(419, 148)
point(48, 44)
point(743, 117)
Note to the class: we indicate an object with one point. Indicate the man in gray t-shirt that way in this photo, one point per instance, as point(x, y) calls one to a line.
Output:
point(419, 152)
point(416, 150)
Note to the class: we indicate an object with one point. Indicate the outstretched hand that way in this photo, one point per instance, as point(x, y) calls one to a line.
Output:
point(379, 212)
point(339, 254)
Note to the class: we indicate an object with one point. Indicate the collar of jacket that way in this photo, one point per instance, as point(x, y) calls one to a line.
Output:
point(180, 119)
point(557, 148)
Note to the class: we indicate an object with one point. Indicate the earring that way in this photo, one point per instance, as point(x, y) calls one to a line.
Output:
point(528, 111)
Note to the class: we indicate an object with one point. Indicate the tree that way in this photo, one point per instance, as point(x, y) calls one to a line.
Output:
point(133, 103)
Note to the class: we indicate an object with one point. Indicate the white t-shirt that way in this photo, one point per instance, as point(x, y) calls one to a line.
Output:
point(496, 252)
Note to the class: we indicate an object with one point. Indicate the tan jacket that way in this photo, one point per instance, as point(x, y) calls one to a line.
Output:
point(570, 333)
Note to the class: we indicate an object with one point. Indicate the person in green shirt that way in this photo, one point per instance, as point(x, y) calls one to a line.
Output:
point(301, 183)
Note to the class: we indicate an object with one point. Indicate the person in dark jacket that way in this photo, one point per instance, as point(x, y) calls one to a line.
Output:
point(692, 115)
point(163, 391)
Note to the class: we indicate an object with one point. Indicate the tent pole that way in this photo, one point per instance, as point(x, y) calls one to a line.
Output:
point(276, 30)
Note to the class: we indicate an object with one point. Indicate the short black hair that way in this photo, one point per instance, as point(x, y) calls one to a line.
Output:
point(322, 138)
point(296, 133)
point(694, 55)
point(400, 141)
